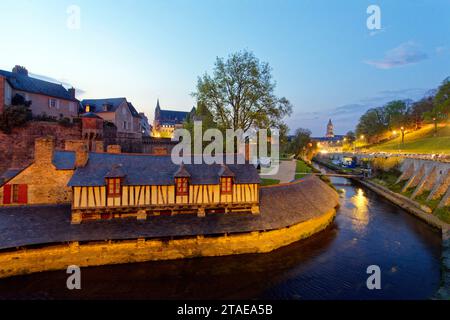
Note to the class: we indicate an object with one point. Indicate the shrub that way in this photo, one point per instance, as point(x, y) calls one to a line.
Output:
point(14, 116)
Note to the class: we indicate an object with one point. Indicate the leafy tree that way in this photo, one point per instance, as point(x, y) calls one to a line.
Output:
point(372, 123)
point(420, 109)
point(240, 94)
point(442, 101)
point(396, 114)
point(300, 141)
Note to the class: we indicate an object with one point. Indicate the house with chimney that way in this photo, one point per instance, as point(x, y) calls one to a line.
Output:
point(107, 185)
point(118, 111)
point(166, 121)
point(45, 98)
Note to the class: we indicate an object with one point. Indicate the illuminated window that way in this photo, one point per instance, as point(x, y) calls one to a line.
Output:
point(226, 185)
point(182, 186)
point(114, 189)
point(88, 108)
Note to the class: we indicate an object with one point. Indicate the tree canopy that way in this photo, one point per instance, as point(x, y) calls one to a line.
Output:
point(240, 94)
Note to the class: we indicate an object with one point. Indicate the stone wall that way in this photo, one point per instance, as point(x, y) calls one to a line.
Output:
point(17, 148)
point(59, 257)
point(2, 93)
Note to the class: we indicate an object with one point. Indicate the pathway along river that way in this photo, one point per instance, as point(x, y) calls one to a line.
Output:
point(368, 230)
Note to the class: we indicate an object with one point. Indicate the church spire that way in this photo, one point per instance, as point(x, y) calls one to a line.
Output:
point(157, 105)
point(330, 129)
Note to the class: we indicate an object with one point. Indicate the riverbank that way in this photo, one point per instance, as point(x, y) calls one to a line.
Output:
point(419, 211)
point(33, 240)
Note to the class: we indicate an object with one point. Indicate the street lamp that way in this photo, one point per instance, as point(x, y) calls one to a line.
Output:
point(403, 134)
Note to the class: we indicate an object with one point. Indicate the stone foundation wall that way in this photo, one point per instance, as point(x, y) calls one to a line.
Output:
point(140, 250)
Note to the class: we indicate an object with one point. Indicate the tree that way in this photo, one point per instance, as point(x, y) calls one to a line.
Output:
point(442, 102)
point(420, 109)
point(14, 116)
point(396, 114)
point(300, 142)
point(240, 94)
point(372, 123)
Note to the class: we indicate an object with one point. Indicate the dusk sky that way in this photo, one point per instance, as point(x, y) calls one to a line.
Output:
point(324, 58)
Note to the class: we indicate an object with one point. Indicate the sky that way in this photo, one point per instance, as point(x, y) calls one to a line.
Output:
point(324, 58)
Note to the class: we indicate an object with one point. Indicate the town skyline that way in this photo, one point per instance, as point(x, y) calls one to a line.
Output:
point(328, 66)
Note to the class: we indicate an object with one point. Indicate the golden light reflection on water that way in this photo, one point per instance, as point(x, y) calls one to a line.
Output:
point(360, 212)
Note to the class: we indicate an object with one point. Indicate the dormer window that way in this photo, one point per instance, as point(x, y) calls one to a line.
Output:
point(226, 185)
point(88, 108)
point(105, 107)
point(114, 187)
point(182, 186)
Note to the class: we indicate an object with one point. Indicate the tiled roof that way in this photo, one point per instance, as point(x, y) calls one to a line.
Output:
point(28, 84)
point(155, 170)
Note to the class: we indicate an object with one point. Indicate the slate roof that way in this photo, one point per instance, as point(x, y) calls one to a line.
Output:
point(281, 206)
point(170, 117)
point(28, 84)
point(96, 105)
point(155, 170)
point(133, 110)
point(64, 160)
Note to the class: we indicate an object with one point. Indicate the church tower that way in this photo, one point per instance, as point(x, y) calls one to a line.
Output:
point(330, 130)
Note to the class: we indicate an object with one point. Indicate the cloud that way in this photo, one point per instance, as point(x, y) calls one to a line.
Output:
point(405, 54)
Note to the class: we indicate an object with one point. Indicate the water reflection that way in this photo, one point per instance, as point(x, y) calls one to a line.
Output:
point(331, 265)
point(360, 212)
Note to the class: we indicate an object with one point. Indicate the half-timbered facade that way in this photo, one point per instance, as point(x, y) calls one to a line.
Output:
point(124, 185)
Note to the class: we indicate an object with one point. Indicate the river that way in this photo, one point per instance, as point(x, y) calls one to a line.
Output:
point(368, 230)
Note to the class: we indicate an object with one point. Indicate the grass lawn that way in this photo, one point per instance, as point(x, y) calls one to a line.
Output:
point(420, 141)
point(443, 214)
point(302, 167)
point(269, 182)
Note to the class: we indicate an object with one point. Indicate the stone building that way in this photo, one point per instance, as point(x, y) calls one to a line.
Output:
point(166, 121)
point(45, 97)
point(330, 142)
point(109, 185)
point(45, 180)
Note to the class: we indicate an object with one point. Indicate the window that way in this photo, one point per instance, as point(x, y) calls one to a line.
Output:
point(15, 193)
point(88, 108)
point(113, 187)
point(226, 185)
point(182, 186)
point(53, 103)
point(71, 107)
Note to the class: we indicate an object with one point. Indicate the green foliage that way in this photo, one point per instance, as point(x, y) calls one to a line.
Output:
point(443, 214)
point(442, 100)
point(269, 182)
point(301, 144)
point(240, 94)
point(14, 116)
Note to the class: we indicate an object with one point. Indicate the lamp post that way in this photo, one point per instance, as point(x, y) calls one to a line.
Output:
point(403, 134)
point(435, 126)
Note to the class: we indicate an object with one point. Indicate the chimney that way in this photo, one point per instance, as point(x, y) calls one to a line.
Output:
point(2, 94)
point(99, 147)
point(114, 148)
point(81, 151)
point(20, 70)
point(43, 150)
point(72, 92)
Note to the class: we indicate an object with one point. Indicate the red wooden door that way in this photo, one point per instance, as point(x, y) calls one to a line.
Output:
point(7, 194)
point(23, 194)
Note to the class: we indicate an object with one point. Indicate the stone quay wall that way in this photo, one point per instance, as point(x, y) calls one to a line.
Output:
point(59, 257)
